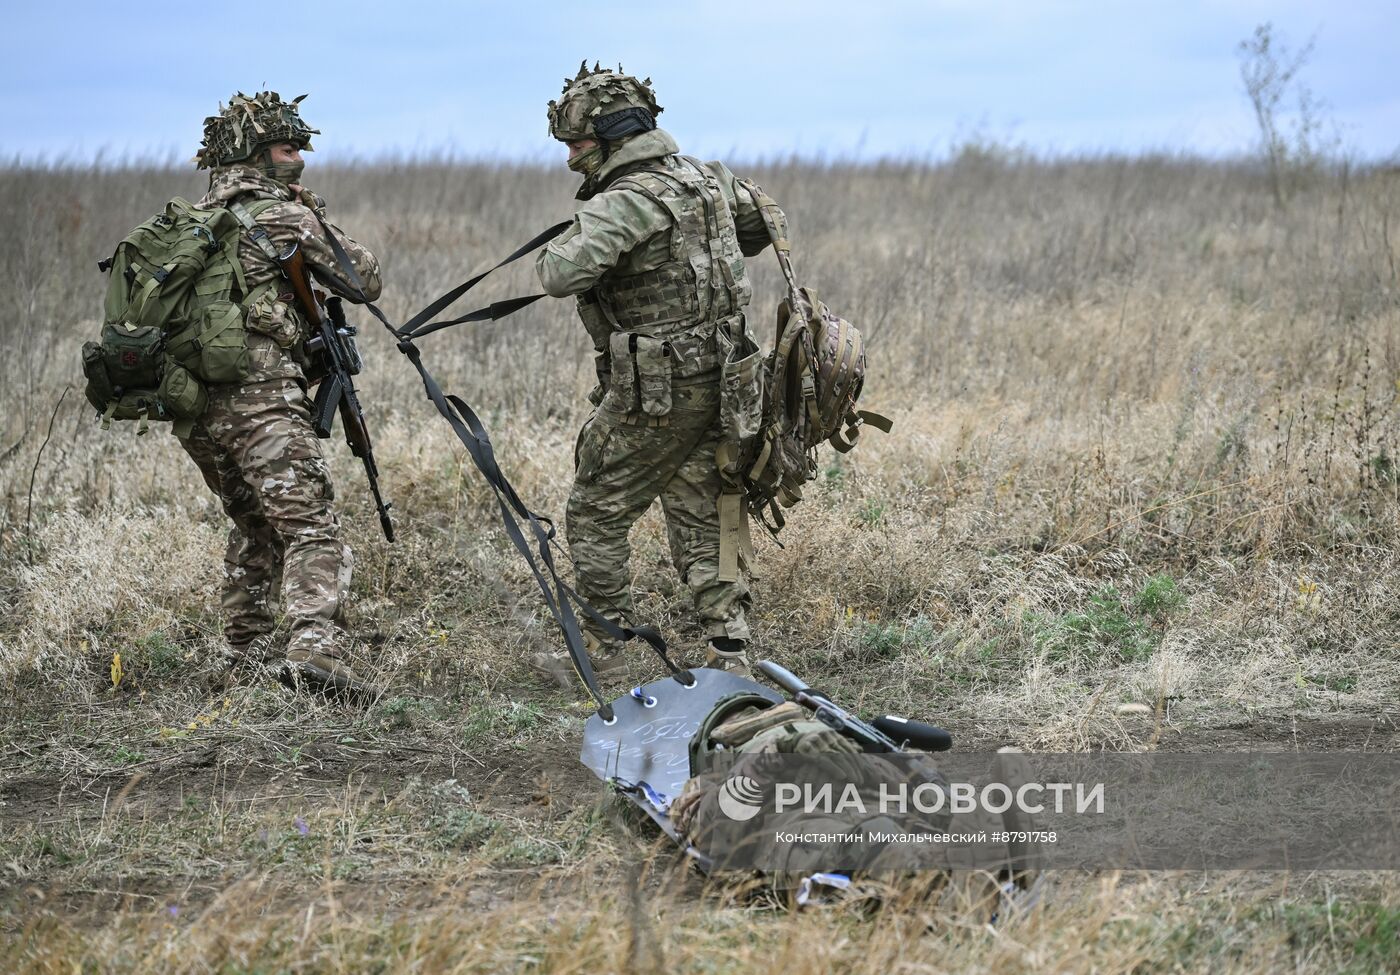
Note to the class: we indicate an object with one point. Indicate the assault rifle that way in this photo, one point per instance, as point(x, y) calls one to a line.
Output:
point(332, 340)
point(885, 734)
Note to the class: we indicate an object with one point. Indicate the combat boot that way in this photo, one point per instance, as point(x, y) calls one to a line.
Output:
point(726, 653)
point(606, 659)
point(319, 671)
point(247, 663)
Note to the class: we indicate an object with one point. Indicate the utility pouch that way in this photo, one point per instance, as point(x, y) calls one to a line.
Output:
point(132, 355)
point(595, 321)
point(741, 392)
point(98, 389)
point(180, 393)
point(221, 342)
point(269, 315)
point(653, 358)
point(621, 395)
point(124, 372)
point(600, 330)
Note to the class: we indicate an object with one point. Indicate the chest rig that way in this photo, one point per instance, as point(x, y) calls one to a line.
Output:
point(701, 283)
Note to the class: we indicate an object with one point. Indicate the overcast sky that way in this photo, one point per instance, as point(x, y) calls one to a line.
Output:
point(763, 77)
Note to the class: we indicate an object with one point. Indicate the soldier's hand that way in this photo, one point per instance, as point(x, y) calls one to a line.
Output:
point(306, 198)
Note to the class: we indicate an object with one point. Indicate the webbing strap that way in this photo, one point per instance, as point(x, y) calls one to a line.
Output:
point(761, 464)
point(492, 312)
point(560, 598)
point(239, 278)
point(735, 542)
point(777, 233)
point(256, 233)
point(877, 420)
point(155, 278)
point(415, 325)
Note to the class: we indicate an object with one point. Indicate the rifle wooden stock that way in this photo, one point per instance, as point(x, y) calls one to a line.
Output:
point(294, 268)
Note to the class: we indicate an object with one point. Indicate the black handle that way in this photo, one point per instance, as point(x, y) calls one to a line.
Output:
point(915, 734)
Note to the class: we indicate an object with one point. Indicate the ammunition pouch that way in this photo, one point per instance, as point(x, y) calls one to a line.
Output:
point(653, 358)
point(640, 378)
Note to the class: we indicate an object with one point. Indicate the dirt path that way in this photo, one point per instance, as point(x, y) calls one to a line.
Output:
point(174, 831)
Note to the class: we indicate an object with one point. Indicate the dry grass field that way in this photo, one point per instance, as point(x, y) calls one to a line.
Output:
point(1145, 452)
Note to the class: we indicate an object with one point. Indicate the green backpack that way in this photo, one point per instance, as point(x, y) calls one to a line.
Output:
point(173, 316)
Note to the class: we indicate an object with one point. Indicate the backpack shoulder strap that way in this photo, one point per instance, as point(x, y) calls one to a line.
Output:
point(775, 221)
point(247, 215)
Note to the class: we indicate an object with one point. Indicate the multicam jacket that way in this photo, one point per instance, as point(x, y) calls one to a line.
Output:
point(658, 252)
point(275, 329)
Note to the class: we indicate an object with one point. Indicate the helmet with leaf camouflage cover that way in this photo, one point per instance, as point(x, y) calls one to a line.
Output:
point(250, 123)
point(603, 104)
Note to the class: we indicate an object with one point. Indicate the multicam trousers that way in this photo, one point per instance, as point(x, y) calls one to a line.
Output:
point(622, 465)
point(258, 453)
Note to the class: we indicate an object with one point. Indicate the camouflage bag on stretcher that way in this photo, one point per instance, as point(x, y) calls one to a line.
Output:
point(811, 381)
point(173, 319)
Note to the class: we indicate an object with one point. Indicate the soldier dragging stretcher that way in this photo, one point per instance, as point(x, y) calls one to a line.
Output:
point(655, 258)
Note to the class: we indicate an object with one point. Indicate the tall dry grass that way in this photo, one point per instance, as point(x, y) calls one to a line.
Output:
point(1101, 371)
point(1145, 452)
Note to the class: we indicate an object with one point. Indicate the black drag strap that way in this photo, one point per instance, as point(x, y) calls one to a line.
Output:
point(545, 536)
point(415, 325)
point(492, 312)
point(347, 267)
point(647, 634)
point(411, 328)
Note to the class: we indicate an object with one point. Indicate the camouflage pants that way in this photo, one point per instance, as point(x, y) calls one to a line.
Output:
point(621, 467)
point(257, 452)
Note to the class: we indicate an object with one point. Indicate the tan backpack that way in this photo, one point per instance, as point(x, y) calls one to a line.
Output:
point(810, 383)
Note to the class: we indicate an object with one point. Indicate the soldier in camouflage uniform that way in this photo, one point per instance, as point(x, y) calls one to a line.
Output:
point(255, 445)
point(655, 257)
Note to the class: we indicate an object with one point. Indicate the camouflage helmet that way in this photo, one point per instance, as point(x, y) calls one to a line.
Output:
point(602, 95)
point(250, 123)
